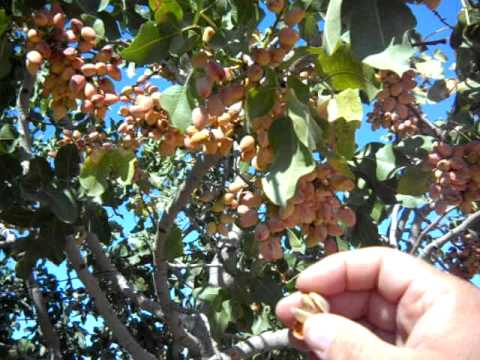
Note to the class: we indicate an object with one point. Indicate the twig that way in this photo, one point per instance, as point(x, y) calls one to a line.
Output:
point(433, 224)
point(23, 108)
point(466, 6)
point(430, 43)
point(402, 223)
point(392, 237)
point(119, 330)
point(437, 244)
point(268, 341)
point(106, 266)
point(164, 226)
point(192, 266)
point(435, 129)
point(48, 331)
point(442, 19)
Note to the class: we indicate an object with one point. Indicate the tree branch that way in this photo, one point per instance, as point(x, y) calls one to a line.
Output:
point(119, 330)
point(268, 341)
point(437, 244)
point(23, 107)
point(106, 266)
point(48, 331)
point(435, 129)
point(392, 237)
point(172, 316)
point(433, 224)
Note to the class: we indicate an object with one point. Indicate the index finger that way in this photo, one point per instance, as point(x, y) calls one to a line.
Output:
point(388, 271)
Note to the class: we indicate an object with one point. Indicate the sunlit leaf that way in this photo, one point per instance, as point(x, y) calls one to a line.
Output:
point(333, 26)
point(292, 161)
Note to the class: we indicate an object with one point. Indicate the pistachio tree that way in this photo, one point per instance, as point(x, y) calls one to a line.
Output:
point(169, 167)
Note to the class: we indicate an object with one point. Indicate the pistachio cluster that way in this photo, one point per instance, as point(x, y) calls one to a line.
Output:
point(463, 259)
point(456, 171)
point(396, 108)
point(90, 141)
point(144, 118)
point(76, 70)
point(315, 209)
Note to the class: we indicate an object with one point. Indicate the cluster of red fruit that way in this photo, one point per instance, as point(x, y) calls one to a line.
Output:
point(456, 170)
point(396, 108)
point(240, 203)
point(215, 120)
point(144, 118)
point(287, 38)
point(76, 70)
point(93, 140)
point(463, 259)
point(315, 208)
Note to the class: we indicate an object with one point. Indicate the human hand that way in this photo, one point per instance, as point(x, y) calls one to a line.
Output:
point(387, 305)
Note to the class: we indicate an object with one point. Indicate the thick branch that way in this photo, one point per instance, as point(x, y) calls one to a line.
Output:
point(48, 331)
point(437, 244)
point(23, 107)
point(106, 266)
point(268, 341)
point(172, 317)
point(119, 330)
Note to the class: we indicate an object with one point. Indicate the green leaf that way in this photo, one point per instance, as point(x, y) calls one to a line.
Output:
point(418, 146)
point(438, 91)
point(96, 220)
point(412, 202)
point(95, 23)
point(98, 167)
point(340, 164)
point(430, 67)
point(222, 318)
point(4, 22)
point(346, 105)
point(375, 24)
point(395, 58)
point(262, 322)
point(150, 45)
point(177, 103)
point(8, 139)
point(103, 5)
point(305, 126)
point(301, 90)
point(39, 173)
point(207, 294)
point(365, 232)
point(174, 244)
point(51, 243)
point(333, 26)
point(415, 181)
point(260, 100)
point(123, 165)
point(344, 133)
point(62, 203)
point(386, 162)
point(166, 9)
point(67, 162)
point(295, 242)
point(94, 173)
point(341, 70)
point(292, 161)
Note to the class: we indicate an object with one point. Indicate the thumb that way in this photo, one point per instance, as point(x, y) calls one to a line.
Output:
point(332, 337)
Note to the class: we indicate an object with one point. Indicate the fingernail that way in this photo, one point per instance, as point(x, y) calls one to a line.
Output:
point(317, 336)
